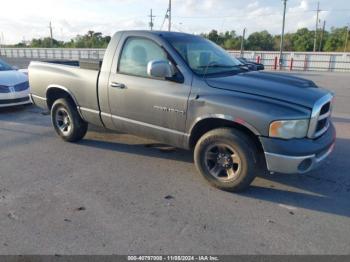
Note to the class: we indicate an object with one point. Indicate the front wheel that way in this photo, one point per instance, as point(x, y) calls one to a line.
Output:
point(227, 159)
point(67, 122)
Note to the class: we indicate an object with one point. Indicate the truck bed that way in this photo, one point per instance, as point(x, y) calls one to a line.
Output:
point(80, 82)
point(92, 64)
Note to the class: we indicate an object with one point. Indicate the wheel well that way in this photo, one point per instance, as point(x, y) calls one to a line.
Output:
point(56, 93)
point(207, 125)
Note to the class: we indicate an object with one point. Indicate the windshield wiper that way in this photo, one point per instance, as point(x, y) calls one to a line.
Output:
point(241, 67)
point(215, 65)
point(218, 65)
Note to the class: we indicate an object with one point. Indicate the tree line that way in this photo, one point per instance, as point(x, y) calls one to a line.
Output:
point(90, 40)
point(302, 40)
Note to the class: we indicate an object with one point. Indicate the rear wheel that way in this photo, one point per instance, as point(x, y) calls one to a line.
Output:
point(227, 159)
point(67, 122)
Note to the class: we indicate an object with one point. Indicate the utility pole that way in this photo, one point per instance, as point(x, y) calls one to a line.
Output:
point(322, 34)
point(346, 39)
point(51, 36)
point(242, 42)
point(151, 24)
point(282, 34)
point(169, 16)
point(317, 15)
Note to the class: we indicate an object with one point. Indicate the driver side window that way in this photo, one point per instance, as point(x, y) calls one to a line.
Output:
point(136, 54)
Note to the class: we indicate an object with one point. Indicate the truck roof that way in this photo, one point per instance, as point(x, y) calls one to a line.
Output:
point(163, 33)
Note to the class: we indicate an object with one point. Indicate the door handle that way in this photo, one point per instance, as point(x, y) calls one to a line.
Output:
point(117, 85)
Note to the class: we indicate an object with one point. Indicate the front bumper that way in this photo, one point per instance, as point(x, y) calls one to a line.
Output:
point(14, 98)
point(15, 102)
point(297, 155)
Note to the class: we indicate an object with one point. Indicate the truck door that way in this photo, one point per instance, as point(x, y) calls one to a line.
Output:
point(142, 105)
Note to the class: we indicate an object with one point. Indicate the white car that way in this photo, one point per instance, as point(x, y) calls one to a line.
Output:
point(14, 86)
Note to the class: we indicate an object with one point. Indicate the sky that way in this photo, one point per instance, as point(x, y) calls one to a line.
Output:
point(23, 20)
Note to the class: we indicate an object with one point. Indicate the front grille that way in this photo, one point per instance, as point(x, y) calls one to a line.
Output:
point(17, 88)
point(320, 118)
point(4, 89)
point(321, 124)
point(325, 109)
point(21, 87)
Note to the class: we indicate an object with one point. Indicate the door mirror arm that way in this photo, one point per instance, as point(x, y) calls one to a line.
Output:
point(177, 78)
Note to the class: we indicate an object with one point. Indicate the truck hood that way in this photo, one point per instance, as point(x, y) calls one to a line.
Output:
point(277, 86)
point(12, 77)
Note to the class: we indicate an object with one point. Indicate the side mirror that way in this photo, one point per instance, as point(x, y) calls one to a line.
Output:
point(15, 68)
point(160, 69)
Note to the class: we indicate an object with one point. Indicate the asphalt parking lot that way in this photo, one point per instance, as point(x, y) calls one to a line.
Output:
point(118, 194)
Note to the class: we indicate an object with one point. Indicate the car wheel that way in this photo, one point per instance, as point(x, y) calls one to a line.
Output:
point(227, 159)
point(67, 121)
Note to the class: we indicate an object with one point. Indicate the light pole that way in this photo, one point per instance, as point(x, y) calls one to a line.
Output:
point(51, 35)
point(1, 40)
point(169, 16)
point(282, 34)
point(346, 39)
point(317, 15)
point(242, 41)
point(322, 35)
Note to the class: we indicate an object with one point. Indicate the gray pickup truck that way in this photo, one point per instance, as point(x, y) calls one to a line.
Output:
point(185, 91)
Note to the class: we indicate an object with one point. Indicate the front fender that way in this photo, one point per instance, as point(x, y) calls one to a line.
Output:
point(230, 118)
point(254, 112)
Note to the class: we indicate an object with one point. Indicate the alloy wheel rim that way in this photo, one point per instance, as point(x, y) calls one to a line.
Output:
point(223, 162)
point(63, 121)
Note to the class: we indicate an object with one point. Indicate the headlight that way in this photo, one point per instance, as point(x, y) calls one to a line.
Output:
point(289, 128)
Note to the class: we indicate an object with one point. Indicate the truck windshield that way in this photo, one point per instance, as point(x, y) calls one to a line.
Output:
point(203, 56)
point(4, 66)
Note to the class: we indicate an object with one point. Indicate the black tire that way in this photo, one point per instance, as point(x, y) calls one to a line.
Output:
point(227, 158)
point(63, 109)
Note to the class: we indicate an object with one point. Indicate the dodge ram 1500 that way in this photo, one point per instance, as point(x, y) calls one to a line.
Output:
point(185, 91)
